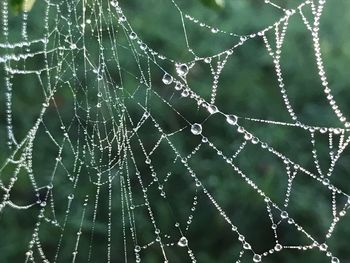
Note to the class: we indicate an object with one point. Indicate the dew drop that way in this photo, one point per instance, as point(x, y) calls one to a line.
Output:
point(323, 130)
point(284, 215)
point(257, 258)
point(335, 260)
point(167, 79)
point(185, 93)
point(255, 140)
point(143, 46)
point(137, 249)
point(207, 60)
point(212, 109)
point(182, 242)
point(122, 19)
point(231, 119)
point(246, 246)
point(278, 247)
point(132, 35)
point(323, 247)
point(178, 86)
point(196, 128)
point(182, 70)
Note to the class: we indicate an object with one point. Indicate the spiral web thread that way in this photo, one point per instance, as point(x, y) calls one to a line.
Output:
point(105, 141)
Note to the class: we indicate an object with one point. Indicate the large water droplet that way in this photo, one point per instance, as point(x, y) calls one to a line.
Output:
point(231, 119)
point(178, 86)
point(182, 70)
point(185, 93)
point(212, 109)
point(167, 79)
point(284, 215)
point(278, 247)
point(335, 260)
point(257, 258)
point(207, 60)
point(137, 249)
point(133, 35)
point(246, 246)
point(323, 247)
point(182, 242)
point(196, 128)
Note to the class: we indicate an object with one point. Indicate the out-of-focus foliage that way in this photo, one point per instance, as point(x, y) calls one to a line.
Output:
point(214, 3)
point(21, 5)
point(247, 87)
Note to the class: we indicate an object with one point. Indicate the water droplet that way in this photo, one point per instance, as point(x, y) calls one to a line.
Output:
point(182, 70)
point(167, 79)
point(143, 46)
point(284, 215)
point(185, 93)
point(337, 131)
point(257, 258)
point(231, 119)
point(133, 35)
point(182, 242)
point(196, 128)
point(278, 247)
point(323, 130)
point(243, 38)
point(335, 260)
point(71, 196)
point(255, 140)
point(246, 246)
point(137, 249)
point(122, 19)
point(178, 86)
point(323, 247)
point(212, 109)
point(207, 60)
point(325, 181)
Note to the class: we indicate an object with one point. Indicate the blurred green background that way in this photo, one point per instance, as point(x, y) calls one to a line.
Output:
point(248, 87)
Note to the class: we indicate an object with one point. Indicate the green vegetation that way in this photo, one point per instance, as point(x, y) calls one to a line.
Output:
point(248, 87)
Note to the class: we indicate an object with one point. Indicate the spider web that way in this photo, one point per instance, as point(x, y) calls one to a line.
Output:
point(130, 138)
